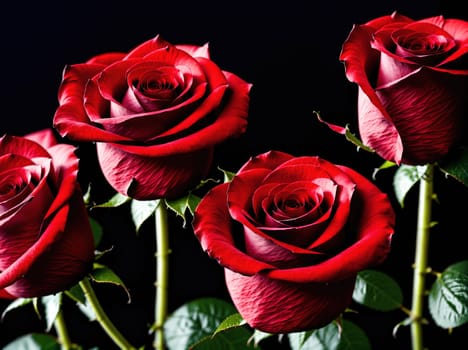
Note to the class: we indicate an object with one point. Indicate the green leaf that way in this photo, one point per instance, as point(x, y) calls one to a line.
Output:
point(228, 175)
point(325, 338)
point(377, 290)
point(331, 337)
point(142, 210)
point(97, 230)
point(180, 205)
point(457, 166)
point(459, 267)
point(353, 337)
point(103, 274)
point(34, 341)
point(448, 296)
point(232, 339)
point(20, 302)
point(234, 320)
point(194, 321)
point(297, 339)
point(51, 305)
point(405, 178)
point(116, 201)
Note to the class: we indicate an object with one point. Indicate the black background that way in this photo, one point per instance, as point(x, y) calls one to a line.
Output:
point(289, 52)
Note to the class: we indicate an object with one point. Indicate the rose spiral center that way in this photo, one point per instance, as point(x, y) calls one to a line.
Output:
point(157, 86)
point(423, 45)
point(16, 184)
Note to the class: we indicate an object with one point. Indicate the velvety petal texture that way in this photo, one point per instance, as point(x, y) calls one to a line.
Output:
point(46, 243)
point(412, 85)
point(292, 233)
point(156, 113)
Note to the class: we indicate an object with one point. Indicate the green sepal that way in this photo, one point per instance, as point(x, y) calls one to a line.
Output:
point(405, 178)
point(35, 302)
point(203, 183)
point(385, 165)
point(15, 304)
point(52, 304)
point(100, 253)
point(103, 274)
point(87, 196)
point(227, 175)
point(346, 132)
point(115, 201)
point(356, 141)
point(181, 205)
point(406, 322)
point(76, 294)
point(258, 336)
point(142, 210)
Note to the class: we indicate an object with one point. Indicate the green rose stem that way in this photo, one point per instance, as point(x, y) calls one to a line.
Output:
point(102, 317)
point(162, 274)
point(62, 331)
point(421, 254)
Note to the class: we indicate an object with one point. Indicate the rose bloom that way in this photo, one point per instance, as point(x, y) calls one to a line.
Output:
point(155, 113)
point(292, 233)
point(46, 243)
point(412, 85)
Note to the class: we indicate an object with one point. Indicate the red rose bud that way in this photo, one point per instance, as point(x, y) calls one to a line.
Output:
point(156, 114)
point(292, 233)
point(412, 78)
point(46, 243)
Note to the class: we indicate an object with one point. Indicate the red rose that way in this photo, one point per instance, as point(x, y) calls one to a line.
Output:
point(412, 85)
point(292, 233)
point(155, 113)
point(46, 243)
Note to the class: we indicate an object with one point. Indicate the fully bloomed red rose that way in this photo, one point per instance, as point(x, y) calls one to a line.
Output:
point(412, 78)
point(46, 243)
point(156, 114)
point(292, 233)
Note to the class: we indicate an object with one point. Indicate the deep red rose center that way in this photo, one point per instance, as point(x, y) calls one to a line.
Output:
point(423, 45)
point(156, 88)
point(11, 185)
